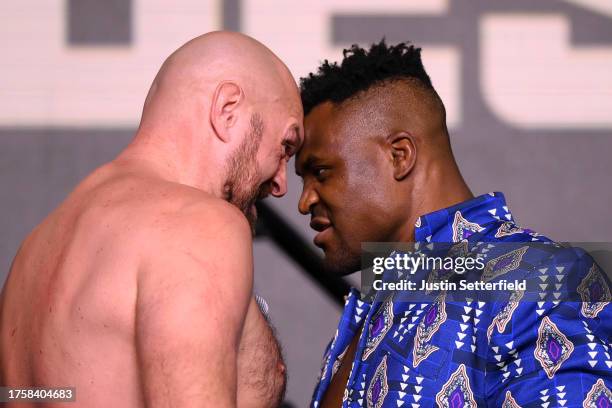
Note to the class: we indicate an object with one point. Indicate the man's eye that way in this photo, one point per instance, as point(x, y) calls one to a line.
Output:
point(289, 150)
point(320, 173)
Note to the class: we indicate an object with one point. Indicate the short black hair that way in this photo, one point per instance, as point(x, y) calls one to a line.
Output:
point(361, 69)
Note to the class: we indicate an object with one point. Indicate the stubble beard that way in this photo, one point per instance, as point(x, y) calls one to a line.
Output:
point(242, 186)
point(340, 258)
point(342, 261)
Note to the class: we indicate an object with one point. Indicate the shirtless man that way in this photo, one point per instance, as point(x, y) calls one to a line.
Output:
point(137, 289)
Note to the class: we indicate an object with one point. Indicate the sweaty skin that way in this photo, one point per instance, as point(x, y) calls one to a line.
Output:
point(137, 289)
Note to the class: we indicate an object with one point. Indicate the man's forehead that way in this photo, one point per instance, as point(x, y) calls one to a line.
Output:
point(327, 125)
point(320, 137)
point(316, 129)
point(320, 118)
point(288, 111)
point(292, 108)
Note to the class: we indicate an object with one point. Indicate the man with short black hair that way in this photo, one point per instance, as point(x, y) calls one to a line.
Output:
point(377, 166)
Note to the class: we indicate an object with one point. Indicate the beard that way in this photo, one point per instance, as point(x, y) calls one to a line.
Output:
point(342, 260)
point(242, 186)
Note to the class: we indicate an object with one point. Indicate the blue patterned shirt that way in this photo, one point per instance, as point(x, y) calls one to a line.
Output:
point(478, 354)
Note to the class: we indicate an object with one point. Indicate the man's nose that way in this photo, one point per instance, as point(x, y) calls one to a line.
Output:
point(279, 181)
point(308, 199)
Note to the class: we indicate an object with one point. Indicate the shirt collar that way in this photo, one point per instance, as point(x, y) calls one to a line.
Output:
point(460, 221)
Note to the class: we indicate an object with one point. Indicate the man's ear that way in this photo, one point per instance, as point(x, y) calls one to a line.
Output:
point(223, 110)
point(403, 150)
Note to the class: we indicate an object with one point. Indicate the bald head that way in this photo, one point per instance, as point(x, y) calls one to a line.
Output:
point(225, 112)
point(189, 76)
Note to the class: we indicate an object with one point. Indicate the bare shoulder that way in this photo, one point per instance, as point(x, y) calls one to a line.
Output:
point(195, 218)
point(194, 287)
point(155, 215)
point(193, 233)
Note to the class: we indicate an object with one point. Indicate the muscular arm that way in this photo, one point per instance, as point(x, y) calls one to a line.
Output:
point(193, 294)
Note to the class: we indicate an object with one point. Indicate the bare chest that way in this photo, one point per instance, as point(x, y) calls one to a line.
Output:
point(261, 370)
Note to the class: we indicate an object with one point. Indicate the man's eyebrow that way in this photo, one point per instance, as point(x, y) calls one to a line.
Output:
point(297, 137)
point(307, 165)
point(299, 132)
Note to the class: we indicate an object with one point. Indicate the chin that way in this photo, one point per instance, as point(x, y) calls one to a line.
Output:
point(341, 263)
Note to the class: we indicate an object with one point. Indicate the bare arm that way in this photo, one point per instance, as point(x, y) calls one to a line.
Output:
point(193, 294)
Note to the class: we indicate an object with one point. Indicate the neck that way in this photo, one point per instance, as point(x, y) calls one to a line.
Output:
point(439, 186)
point(165, 158)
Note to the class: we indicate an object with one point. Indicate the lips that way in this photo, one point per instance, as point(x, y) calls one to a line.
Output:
point(323, 226)
point(319, 224)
